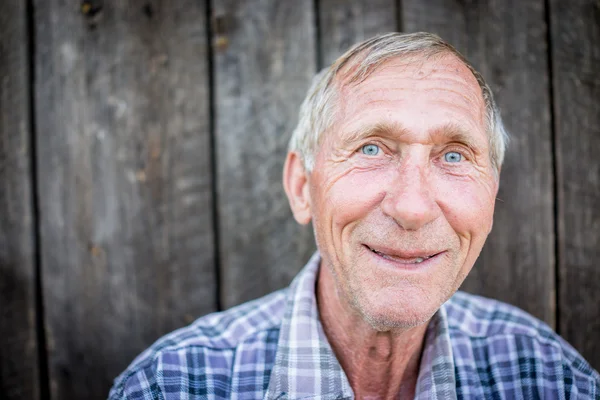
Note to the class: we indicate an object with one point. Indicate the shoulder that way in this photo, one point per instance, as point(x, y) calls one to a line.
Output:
point(478, 316)
point(502, 340)
point(205, 348)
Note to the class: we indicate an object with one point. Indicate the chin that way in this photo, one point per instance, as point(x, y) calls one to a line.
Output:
point(384, 314)
point(384, 323)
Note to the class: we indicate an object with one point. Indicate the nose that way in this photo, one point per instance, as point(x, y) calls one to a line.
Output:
point(410, 199)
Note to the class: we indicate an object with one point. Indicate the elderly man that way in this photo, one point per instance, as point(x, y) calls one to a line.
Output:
point(395, 160)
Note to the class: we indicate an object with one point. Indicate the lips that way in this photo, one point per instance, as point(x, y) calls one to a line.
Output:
point(402, 257)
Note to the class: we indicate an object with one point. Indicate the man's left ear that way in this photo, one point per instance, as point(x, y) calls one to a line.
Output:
point(295, 183)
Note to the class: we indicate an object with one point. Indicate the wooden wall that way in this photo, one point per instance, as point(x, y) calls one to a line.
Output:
point(141, 148)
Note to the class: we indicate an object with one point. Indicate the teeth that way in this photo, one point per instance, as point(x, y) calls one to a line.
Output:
point(417, 260)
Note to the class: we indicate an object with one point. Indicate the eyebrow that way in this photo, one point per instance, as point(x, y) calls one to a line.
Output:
point(449, 132)
point(386, 129)
point(452, 132)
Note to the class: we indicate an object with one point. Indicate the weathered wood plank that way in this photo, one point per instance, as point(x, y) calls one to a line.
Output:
point(122, 107)
point(575, 34)
point(344, 23)
point(18, 347)
point(506, 41)
point(264, 59)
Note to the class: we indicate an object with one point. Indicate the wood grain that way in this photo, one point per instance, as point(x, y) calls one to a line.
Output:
point(122, 106)
point(264, 59)
point(506, 42)
point(344, 23)
point(575, 34)
point(18, 348)
point(122, 117)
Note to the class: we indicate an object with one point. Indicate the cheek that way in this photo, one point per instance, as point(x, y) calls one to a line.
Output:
point(354, 195)
point(468, 206)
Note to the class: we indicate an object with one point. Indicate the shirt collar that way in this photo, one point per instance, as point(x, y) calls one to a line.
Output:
point(436, 374)
point(307, 368)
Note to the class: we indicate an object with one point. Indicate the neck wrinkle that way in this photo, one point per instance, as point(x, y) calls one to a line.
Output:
point(377, 364)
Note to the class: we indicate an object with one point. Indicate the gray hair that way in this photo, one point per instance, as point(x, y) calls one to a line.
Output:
point(318, 110)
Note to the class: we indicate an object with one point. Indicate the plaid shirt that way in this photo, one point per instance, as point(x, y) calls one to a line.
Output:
point(275, 348)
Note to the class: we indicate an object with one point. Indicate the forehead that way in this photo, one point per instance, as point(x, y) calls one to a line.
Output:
point(419, 93)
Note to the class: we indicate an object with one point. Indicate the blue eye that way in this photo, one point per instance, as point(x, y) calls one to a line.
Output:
point(453, 157)
point(370, 149)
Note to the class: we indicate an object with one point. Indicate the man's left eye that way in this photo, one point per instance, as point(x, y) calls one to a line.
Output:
point(453, 157)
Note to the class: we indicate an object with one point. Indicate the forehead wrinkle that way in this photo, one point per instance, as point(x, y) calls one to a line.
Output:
point(471, 99)
point(441, 69)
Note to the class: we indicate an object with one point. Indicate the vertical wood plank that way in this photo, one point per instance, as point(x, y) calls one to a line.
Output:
point(264, 59)
point(575, 34)
point(122, 106)
point(344, 23)
point(18, 347)
point(506, 41)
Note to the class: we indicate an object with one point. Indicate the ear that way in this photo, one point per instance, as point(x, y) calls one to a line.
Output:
point(295, 183)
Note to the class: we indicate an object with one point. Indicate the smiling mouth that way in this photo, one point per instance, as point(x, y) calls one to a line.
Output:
point(402, 260)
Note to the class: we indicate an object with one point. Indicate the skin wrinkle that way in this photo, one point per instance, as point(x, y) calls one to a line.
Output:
point(318, 110)
point(470, 98)
point(406, 199)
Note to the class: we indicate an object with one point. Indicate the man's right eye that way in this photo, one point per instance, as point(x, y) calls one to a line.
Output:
point(370, 149)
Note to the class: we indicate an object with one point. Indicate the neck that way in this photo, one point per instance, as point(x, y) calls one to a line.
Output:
point(378, 364)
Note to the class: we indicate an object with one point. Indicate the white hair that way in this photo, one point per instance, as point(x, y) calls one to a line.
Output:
point(318, 110)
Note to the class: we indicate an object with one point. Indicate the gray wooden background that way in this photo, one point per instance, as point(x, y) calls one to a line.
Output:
point(141, 148)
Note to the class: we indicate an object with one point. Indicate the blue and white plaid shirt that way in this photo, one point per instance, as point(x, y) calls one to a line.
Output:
point(275, 348)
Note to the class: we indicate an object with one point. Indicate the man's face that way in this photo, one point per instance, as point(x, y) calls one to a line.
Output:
point(402, 191)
